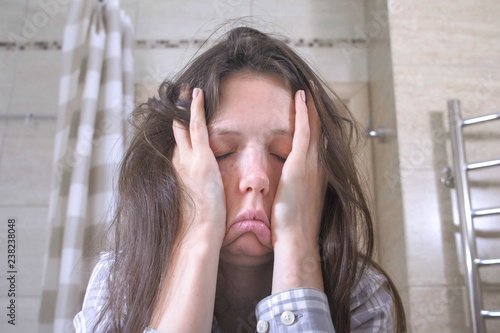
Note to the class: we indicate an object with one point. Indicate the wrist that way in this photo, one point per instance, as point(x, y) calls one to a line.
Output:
point(296, 241)
point(199, 245)
point(201, 234)
point(296, 264)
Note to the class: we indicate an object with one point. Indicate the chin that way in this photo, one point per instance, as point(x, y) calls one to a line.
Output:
point(246, 250)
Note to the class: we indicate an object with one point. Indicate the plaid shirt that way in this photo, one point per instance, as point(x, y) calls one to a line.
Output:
point(303, 310)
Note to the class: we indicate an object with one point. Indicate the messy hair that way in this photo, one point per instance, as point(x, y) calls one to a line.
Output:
point(147, 221)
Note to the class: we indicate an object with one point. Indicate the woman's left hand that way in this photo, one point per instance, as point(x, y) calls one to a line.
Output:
point(298, 205)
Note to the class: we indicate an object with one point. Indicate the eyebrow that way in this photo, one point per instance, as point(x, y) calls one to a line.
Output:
point(222, 131)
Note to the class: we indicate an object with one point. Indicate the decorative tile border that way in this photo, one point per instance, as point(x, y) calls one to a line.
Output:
point(40, 45)
point(184, 43)
point(142, 44)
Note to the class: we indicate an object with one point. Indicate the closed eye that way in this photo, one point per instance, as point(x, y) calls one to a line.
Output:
point(279, 158)
point(222, 157)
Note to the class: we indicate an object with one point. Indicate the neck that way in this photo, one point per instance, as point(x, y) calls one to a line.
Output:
point(239, 289)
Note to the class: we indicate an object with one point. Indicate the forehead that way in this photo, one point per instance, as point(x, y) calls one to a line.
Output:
point(259, 102)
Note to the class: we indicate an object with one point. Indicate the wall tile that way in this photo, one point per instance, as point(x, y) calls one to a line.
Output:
point(481, 141)
point(335, 64)
point(7, 71)
point(131, 8)
point(491, 296)
point(424, 89)
point(432, 252)
point(31, 247)
point(493, 325)
point(376, 28)
point(47, 19)
point(429, 32)
point(311, 19)
point(390, 237)
point(26, 315)
point(192, 19)
point(477, 87)
point(11, 18)
point(25, 167)
point(485, 192)
point(3, 124)
point(5, 93)
point(438, 309)
point(152, 67)
point(29, 96)
point(383, 112)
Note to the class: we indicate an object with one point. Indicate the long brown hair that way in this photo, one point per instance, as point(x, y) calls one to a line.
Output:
point(148, 207)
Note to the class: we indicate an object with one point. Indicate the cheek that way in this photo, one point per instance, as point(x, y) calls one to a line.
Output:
point(275, 174)
point(228, 171)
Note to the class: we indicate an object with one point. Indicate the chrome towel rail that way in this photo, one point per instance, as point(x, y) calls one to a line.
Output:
point(457, 177)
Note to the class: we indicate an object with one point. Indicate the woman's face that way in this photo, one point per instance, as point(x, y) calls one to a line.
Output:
point(251, 136)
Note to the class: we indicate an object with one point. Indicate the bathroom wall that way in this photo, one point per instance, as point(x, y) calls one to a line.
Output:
point(30, 38)
point(28, 84)
point(320, 30)
point(443, 50)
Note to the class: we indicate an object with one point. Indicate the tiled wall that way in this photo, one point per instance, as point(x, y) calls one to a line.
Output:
point(302, 22)
point(28, 84)
point(443, 50)
point(29, 77)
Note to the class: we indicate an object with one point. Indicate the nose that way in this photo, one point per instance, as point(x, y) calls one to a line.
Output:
point(254, 176)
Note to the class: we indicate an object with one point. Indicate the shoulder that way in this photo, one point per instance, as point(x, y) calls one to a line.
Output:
point(96, 295)
point(369, 284)
point(101, 271)
point(106, 259)
point(371, 303)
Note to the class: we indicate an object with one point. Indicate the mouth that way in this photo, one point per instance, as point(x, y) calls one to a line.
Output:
point(249, 226)
point(252, 215)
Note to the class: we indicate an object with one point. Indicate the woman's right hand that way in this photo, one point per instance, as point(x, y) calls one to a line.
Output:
point(183, 295)
point(204, 206)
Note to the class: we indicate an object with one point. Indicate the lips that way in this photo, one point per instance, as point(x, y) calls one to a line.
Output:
point(252, 215)
point(248, 222)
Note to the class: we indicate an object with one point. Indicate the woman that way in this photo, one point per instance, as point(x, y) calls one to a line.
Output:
point(239, 193)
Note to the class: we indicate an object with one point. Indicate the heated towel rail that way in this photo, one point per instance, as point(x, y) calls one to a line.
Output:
point(458, 178)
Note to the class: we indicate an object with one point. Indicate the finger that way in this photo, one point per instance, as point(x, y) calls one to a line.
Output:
point(301, 136)
point(198, 126)
point(181, 135)
point(314, 122)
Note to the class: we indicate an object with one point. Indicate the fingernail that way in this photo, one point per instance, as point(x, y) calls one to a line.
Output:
point(303, 95)
point(196, 92)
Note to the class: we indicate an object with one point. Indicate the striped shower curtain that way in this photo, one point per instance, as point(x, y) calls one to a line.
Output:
point(95, 99)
